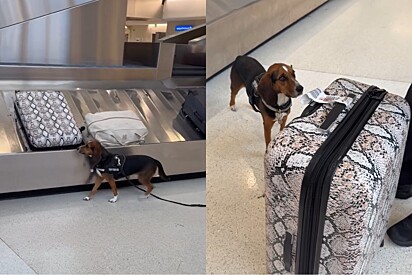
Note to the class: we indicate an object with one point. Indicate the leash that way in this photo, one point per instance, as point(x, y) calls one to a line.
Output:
point(162, 199)
point(121, 173)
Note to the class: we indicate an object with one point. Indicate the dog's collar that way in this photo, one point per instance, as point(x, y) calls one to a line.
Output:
point(278, 108)
point(271, 108)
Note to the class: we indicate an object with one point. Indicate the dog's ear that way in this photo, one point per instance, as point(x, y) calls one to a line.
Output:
point(96, 148)
point(273, 76)
point(266, 83)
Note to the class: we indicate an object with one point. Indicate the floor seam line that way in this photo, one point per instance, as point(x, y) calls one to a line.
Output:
point(1, 239)
point(341, 74)
point(352, 75)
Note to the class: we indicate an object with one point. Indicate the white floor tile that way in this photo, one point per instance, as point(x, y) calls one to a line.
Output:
point(64, 234)
point(369, 38)
point(11, 263)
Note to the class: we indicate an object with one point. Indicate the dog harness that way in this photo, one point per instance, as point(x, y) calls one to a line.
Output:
point(277, 111)
point(254, 97)
point(112, 165)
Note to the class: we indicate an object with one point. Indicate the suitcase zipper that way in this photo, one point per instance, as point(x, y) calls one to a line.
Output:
point(318, 177)
point(114, 117)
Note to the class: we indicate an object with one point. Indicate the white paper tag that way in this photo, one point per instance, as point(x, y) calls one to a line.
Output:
point(309, 96)
point(319, 96)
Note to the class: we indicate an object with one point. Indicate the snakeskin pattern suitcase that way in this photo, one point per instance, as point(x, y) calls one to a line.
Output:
point(331, 177)
point(47, 120)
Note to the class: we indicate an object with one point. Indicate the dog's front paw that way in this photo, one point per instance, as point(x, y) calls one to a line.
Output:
point(233, 108)
point(113, 200)
point(86, 198)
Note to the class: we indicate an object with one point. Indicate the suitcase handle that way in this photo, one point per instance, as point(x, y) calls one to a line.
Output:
point(333, 115)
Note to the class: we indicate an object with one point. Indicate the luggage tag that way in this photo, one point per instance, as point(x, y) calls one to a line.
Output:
point(339, 104)
point(319, 96)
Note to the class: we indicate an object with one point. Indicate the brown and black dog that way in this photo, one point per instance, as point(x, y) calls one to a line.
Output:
point(111, 167)
point(269, 92)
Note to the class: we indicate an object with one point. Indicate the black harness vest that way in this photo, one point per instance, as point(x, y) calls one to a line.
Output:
point(254, 100)
point(113, 165)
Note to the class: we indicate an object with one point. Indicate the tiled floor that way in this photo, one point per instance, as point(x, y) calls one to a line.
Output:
point(365, 40)
point(64, 234)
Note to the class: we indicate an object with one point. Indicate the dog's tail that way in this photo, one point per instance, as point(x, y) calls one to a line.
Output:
point(162, 173)
point(237, 59)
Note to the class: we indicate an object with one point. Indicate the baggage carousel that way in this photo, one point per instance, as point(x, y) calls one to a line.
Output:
point(172, 138)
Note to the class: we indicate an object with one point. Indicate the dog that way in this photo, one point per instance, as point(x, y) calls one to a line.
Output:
point(112, 167)
point(269, 92)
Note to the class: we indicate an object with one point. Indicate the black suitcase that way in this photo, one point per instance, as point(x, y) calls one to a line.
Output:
point(405, 181)
point(194, 109)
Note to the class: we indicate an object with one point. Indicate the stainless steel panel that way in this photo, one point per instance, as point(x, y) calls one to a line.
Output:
point(16, 11)
point(171, 83)
point(186, 36)
point(32, 171)
point(260, 20)
point(91, 106)
point(159, 110)
point(123, 102)
point(193, 82)
point(101, 101)
point(219, 8)
point(190, 55)
point(89, 34)
point(171, 140)
point(155, 118)
point(199, 42)
point(84, 73)
point(162, 101)
point(74, 103)
point(165, 60)
point(9, 137)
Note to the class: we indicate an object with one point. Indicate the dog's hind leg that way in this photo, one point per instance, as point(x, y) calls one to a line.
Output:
point(149, 186)
point(145, 180)
point(145, 177)
point(235, 85)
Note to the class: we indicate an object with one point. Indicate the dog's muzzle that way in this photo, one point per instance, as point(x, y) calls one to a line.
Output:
point(299, 89)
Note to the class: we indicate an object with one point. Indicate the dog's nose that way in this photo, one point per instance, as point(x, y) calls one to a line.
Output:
point(299, 89)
